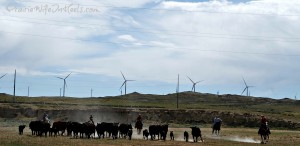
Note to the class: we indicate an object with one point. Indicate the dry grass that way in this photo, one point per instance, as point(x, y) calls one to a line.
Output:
point(9, 136)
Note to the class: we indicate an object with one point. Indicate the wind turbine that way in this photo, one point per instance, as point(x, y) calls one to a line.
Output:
point(124, 83)
point(246, 88)
point(194, 84)
point(65, 83)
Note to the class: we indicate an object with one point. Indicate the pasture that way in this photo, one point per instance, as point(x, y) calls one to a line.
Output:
point(229, 137)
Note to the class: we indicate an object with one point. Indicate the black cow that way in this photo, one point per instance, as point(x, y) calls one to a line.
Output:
point(39, 128)
point(69, 128)
point(186, 136)
point(60, 126)
point(164, 131)
point(163, 135)
point(196, 133)
point(21, 129)
point(33, 127)
point(100, 128)
point(172, 135)
point(160, 130)
point(129, 134)
point(75, 127)
point(108, 128)
point(145, 134)
point(88, 129)
point(123, 130)
point(115, 130)
point(154, 130)
point(53, 131)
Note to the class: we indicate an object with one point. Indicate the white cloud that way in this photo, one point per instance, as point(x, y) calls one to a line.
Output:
point(127, 38)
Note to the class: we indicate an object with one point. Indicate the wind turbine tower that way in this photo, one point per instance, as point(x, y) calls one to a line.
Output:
point(124, 83)
point(194, 84)
point(65, 83)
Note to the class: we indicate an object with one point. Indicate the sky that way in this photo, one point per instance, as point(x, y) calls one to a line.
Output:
point(150, 41)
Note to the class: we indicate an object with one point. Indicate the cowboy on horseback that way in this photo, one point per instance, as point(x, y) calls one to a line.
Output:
point(91, 119)
point(139, 124)
point(217, 120)
point(263, 122)
point(139, 118)
point(45, 118)
point(264, 130)
point(216, 125)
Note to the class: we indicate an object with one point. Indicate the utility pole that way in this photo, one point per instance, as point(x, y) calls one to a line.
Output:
point(28, 91)
point(177, 90)
point(14, 100)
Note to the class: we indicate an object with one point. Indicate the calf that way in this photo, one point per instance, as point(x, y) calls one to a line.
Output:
point(129, 134)
point(186, 136)
point(145, 134)
point(21, 129)
point(171, 135)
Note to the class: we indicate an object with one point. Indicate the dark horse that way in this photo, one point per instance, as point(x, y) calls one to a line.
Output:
point(139, 126)
point(216, 128)
point(264, 132)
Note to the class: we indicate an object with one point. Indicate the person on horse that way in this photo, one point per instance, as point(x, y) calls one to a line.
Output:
point(264, 124)
point(139, 124)
point(139, 118)
point(91, 119)
point(45, 118)
point(217, 120)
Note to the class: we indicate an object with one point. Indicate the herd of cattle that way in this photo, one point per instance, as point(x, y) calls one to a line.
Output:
point(104, 129)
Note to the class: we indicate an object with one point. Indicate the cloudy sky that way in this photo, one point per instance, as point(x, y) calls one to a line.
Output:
point(151, 42)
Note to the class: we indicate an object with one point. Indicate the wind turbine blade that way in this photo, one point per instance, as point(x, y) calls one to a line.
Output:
point(245, 82)
point(123, 84)
point(67, 76)
point(123, 76)
point(60, 78)
point(244, 91)
point(190, 79)
point(199, 81)
point(130, 80)
point(2, 76)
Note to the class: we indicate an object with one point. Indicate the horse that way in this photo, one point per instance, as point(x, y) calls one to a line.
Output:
point(264, 132)
point(139, 126)
point(216, 128)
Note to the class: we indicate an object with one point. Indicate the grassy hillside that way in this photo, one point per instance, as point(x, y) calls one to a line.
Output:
point(284, 108)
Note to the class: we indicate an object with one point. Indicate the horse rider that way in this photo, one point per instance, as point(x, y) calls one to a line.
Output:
point(45, 118)
point(139, 118)
point(91, 119)
point(217, 120)
point(264, 123)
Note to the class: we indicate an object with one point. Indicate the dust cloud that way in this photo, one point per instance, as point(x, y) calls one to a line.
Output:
point(238, 139)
